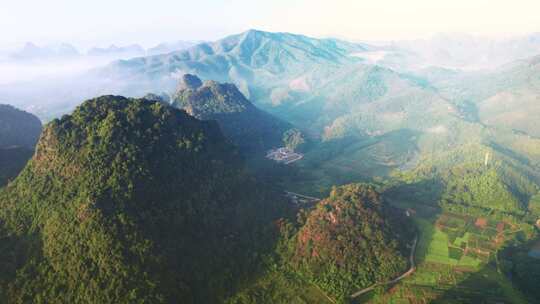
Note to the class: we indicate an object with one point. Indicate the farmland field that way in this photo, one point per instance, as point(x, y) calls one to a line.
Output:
point(452, 263)
point(435, 247)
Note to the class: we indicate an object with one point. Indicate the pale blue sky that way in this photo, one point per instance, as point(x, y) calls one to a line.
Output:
point(101, 22)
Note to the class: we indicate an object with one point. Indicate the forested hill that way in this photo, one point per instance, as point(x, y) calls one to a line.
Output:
point(349, 241)
point(132, 201)
point(19, 132)
point(251, 129)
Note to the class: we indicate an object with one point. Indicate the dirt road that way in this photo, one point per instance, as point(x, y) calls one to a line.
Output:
point(401, 277)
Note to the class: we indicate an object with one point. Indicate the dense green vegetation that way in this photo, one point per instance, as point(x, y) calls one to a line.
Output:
point(350, 241)
point(281, 285)
point(468, 210)
point(132, 201)
point(459, 254)
point(463, 181)
point(251, 129)
point(534, 205)
point(346, 242)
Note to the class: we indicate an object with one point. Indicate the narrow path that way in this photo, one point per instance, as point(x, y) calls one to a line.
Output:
point(401, 277)
point(302, 196)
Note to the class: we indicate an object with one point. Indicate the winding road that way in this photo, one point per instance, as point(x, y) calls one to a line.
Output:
point(401, 277)
point(315, 199)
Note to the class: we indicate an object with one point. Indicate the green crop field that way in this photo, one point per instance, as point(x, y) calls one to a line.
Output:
point(435, 247)
point(463, 239)
point(452, 271)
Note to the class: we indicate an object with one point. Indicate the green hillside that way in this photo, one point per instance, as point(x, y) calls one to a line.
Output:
point(347, 242)
point(312, 83)
point(132, 201)
point(251, 129)
point(506, 97)
point(167, 198)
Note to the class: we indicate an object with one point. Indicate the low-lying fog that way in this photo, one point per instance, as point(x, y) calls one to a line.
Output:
point(23, 71)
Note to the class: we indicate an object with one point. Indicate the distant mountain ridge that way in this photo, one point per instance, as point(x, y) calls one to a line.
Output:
point(297, 78)
point(469, 52)
point(63, 51)
point(233, 57)
point(320, 85)
point(132, 50)
point(506, 97)
point(317, 84)
point(31, 51)
point(168, 47)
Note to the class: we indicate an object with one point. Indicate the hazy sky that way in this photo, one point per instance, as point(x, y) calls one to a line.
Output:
point(102, 22)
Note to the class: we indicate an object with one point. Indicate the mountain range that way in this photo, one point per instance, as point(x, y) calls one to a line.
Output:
point(65, 51)
point(31, 51)
point(313, 83)
point(419, 180)
point(506, 97)
point(466, 51)
point(329, 90)
point(316, 70)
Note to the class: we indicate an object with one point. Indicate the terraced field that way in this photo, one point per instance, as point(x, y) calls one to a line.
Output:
point(438, 248)
point(453, 254)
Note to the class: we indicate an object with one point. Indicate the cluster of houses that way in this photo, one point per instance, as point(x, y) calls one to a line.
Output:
point(284, 155)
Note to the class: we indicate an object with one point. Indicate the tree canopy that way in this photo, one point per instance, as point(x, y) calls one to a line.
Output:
point(132, 201)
